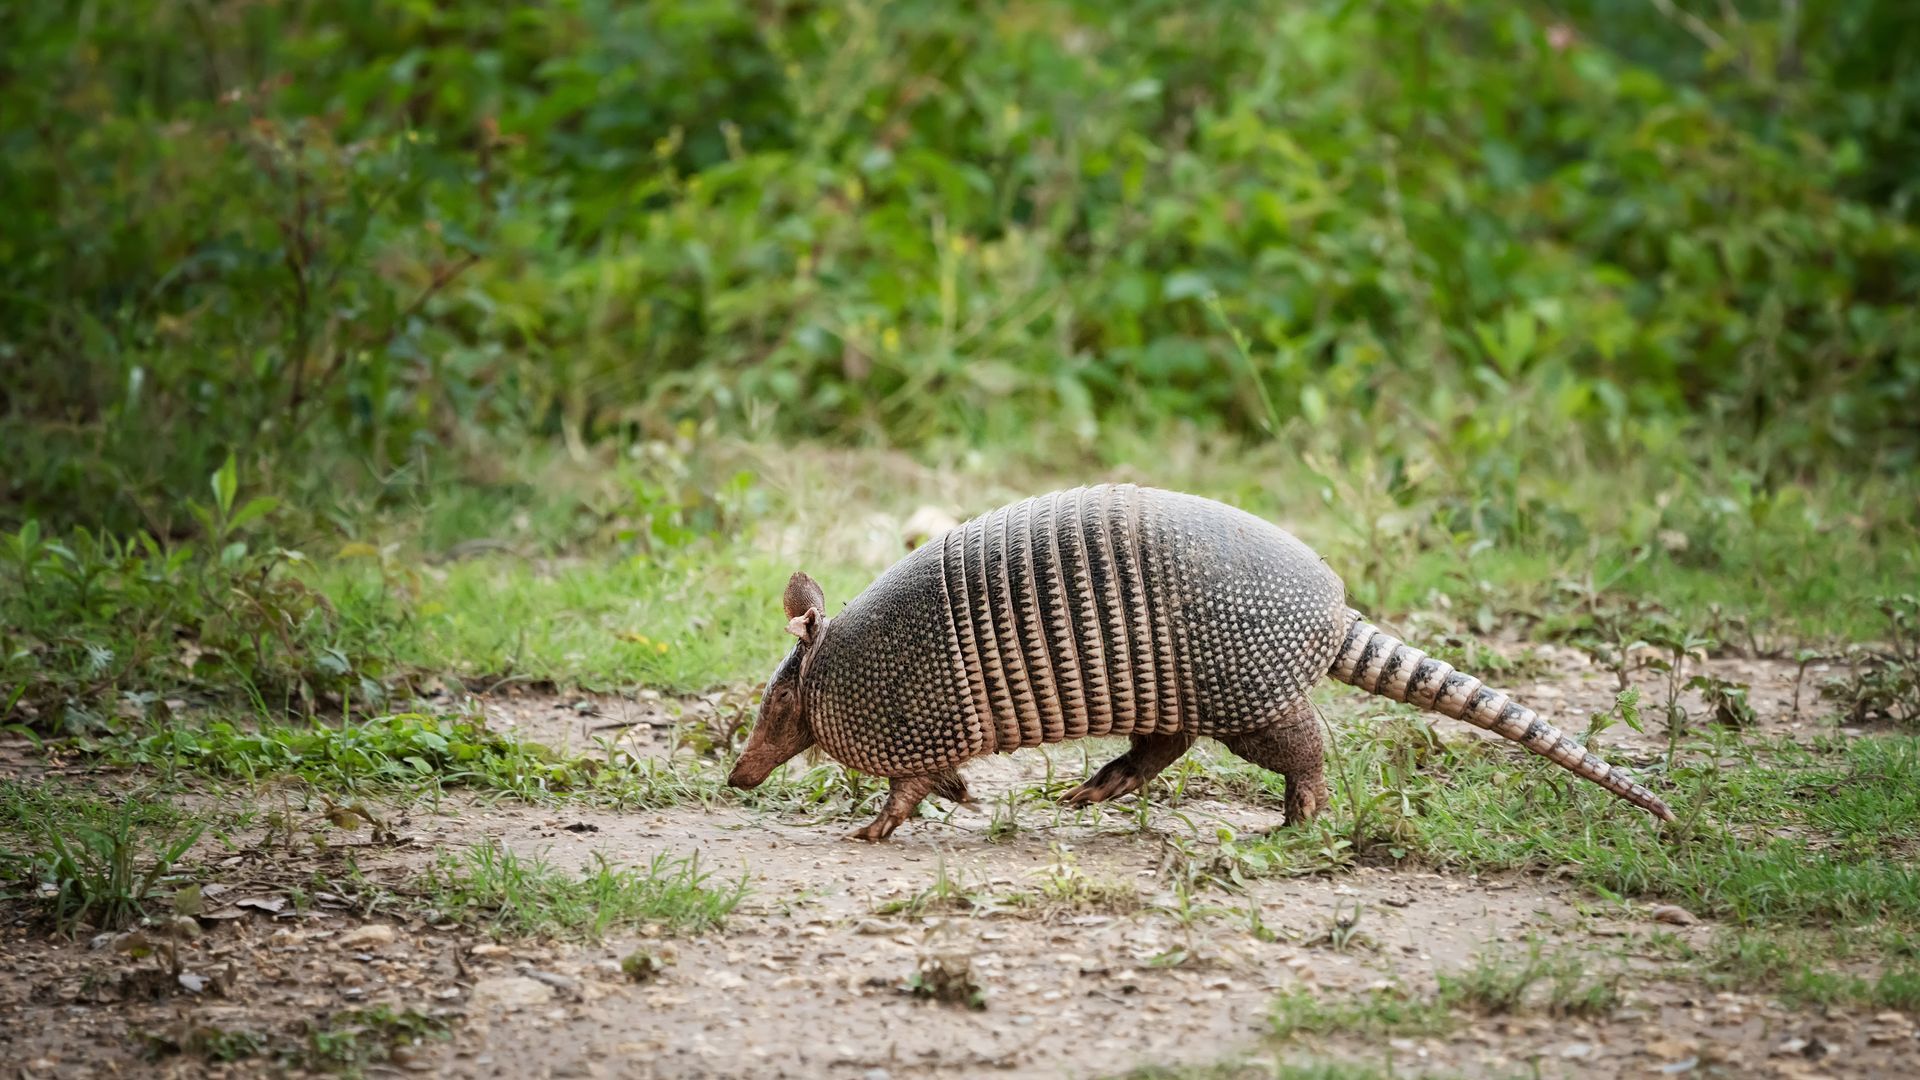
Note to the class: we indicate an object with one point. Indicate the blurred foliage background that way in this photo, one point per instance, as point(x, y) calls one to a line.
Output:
point(1478, 239)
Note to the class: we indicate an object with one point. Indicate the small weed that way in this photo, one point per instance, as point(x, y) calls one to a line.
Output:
point(643, 966)
point(945, 894)
point(1063, 886)
point(946, 979)
point(1884, 686)
point(1343, 933)
point(514, 897)
point(1625, 710)
point(1726, 701)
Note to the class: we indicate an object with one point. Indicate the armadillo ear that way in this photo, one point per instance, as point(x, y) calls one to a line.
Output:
point(803, 594)
point(805, 626)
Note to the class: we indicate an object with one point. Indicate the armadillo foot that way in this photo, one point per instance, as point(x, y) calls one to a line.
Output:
point(1307, 795)
point(1130, 771)
point(903, 798)
point(1290, 744)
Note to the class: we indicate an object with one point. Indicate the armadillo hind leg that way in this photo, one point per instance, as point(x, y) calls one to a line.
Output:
point(903, 798)
point(1130, 771)
point(1291, 746)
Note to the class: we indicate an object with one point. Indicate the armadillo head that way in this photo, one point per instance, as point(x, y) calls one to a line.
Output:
point(781, 731)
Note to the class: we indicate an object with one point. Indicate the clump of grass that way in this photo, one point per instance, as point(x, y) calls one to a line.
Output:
point(1558, 985)
point(87, 861)
point(352, 1039)
point(344, 1043)
point(206, 1041)
point(1063, 887)
point(1801, 967)
point(946, 893)
point(1384, 1012)
point(1496, 984)
point(510, 896)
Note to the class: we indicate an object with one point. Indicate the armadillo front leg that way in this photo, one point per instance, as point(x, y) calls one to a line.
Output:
point(903, 797)
point(1290, 745)
point(1130, 771)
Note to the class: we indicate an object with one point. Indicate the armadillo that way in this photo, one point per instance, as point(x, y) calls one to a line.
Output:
point(1103, 611)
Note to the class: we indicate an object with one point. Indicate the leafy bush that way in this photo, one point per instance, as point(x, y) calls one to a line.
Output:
point(1447, 233)
point(93, 623)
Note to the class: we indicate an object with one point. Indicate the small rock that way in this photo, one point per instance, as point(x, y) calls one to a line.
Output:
point(873, 926)
point(1669, 913)
point(565, 984)
point(510, 992)
point(370, 936)
point(488, 949)
point(1577, 1050)
point(876, 1074)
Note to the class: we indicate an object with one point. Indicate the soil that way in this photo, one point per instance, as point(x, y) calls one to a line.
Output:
point(810, 976)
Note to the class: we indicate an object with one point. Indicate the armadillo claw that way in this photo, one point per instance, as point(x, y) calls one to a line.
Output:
point(875, 831)
point(1101, 789)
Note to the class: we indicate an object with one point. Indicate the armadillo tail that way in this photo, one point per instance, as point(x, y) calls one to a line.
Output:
point(1379, 663)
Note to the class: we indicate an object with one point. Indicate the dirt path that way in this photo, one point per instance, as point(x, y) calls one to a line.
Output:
point(1088, 960)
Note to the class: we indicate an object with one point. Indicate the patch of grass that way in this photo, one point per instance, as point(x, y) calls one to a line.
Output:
point(92, 623)
point(352, 1039)
point(404, 749)
point(1801, 967)
point(1847, 809)
point(1468, 653)
point(489, 886)
point(411, 753)
point(1057, 888)
point(1064, 887)
point(1272, 1069)
point(207, 1042)
point(87, 861)
point(1558, 984)
point(1382, 1012)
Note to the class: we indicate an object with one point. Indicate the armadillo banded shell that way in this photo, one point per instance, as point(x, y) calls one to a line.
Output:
point(1110, 610)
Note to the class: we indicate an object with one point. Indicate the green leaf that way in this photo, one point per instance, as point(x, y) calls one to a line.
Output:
point(255, 509)
point(226, 483)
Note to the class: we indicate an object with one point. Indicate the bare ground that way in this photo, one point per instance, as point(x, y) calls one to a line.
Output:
point(809, 977)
